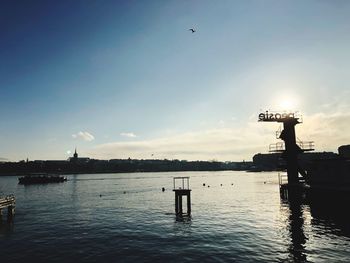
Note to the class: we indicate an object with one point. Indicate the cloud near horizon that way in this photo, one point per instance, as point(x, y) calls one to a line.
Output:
point(222, 144)
point(328, 129)
point(86, 136)
point(128, 134)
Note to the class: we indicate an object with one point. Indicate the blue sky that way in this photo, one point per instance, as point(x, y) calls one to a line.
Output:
point(121, 79)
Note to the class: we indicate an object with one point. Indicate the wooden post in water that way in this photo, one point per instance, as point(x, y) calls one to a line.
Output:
point(189, 203)
point(176, 204)
point(181, 188)
point(10, 213)
point(180, 203)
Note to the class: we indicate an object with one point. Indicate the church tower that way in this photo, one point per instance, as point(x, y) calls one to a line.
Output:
point(75, 156)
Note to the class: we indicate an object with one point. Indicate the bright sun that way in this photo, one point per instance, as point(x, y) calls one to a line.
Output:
point(287, 103)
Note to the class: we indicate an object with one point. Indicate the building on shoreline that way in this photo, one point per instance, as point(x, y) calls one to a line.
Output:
point(78, 160)
point(275, 162)
point(76, 164)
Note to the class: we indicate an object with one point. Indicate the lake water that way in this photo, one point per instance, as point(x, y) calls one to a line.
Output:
point(134, 221)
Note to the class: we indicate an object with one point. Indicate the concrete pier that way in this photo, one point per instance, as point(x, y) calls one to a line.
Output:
point(179, 194)
point(181, 189)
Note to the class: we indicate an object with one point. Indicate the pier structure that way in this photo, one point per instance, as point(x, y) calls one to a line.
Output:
point(181, 189)
point(290, 147)
point(8, 202)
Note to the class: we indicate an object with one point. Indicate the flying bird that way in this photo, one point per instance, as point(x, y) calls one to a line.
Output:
point(192, 30)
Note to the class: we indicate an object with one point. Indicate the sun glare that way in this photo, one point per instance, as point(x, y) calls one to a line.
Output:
point(287, 103)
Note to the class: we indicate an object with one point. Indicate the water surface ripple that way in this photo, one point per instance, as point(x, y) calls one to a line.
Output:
point(127, 218)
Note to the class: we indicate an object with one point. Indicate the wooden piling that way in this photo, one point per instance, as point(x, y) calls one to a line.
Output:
point(10, 213)
point(8, 202)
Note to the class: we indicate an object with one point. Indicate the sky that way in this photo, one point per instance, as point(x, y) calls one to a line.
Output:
point(120, 79)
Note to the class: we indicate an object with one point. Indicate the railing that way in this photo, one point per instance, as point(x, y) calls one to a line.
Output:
point(282, 179)
point(306, 145)
point(181, 183)
point(278, 132)
point(7, 201)
point(277, 147)
point(303, 145)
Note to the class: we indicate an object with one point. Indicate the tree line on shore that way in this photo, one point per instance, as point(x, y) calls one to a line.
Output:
point(86, 165)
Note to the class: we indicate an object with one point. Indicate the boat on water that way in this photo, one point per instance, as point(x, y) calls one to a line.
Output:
point(41, 179)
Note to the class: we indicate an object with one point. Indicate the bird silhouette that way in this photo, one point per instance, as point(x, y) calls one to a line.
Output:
point(192, 30)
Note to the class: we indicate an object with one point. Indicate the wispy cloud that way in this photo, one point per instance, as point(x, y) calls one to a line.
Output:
point(86, 136)
point(3, 159)
point(128, 134)
point(221, 144)
point(328, 130)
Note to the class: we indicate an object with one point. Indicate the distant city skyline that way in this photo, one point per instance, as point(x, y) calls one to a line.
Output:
point(120, 79)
